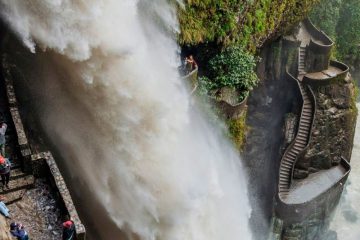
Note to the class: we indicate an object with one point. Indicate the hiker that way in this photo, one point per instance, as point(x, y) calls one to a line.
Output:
point(68, 230)
point(5, 167)
point(3, 209)
point(190, 64)
point(2, 138)
point(18, 231)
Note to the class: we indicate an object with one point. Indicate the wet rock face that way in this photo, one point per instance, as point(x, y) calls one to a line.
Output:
point(333, 130)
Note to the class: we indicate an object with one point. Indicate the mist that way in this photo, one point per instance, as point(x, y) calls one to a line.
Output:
point(143, 160)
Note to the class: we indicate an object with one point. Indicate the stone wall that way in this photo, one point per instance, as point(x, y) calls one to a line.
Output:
point(333, 130)
point(42, 164)
point(45, 166)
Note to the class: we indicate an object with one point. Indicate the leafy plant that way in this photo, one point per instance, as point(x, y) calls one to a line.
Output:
point(247, 23)
point(233, 67)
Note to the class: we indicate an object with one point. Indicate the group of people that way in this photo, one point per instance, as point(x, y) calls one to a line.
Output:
point(17, 230)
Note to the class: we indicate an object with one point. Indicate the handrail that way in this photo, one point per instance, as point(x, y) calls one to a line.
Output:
point(314, 103)
point(344, 71)
point(295, 212)
point(290, 147)
point(318, 34)
point(192, 79)
point(50, 162)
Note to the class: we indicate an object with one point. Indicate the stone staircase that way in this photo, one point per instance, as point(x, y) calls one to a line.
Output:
point(301, 66)
point(298, 145)
point(19, 183)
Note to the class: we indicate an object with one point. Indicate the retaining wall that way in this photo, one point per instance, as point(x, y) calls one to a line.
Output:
point(43, 164)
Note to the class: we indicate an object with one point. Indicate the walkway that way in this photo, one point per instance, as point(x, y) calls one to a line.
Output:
point(19, 181)
point(325, 74)
point(304, 36)
point(304, 190)
point(299, 144)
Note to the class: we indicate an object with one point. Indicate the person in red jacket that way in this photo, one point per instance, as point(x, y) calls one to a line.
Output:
point(68, 230)
point(5, 167)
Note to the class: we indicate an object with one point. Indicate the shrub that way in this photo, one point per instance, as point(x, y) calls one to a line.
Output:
point(232, 67)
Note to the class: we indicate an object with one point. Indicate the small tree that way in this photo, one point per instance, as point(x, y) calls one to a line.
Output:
point(233, 67)
point(348, 30)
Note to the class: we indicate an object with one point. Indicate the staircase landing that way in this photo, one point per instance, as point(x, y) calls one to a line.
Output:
point(304, 190)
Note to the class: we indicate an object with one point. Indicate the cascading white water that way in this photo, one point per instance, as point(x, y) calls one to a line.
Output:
point(121, 117)
point(347, 217)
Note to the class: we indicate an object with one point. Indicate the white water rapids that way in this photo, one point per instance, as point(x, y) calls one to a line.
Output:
point(146, 162)
point(347, 217)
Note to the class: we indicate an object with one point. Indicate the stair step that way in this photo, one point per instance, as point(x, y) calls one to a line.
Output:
point(303, 130)
point(284, 178)
point(288, 161)
point(17, 189)
point(298, 148)
point(284, 184)
point(288, 164)
point(300, 143)
point(295, 151)
point(15, 166)
point(283, 175)
point(304, 135)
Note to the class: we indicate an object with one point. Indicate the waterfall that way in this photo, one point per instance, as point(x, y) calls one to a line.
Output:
point(347, 217)
point(110, 99)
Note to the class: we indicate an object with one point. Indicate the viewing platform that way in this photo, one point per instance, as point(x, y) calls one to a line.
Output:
point(318, 191)
point(302, 191)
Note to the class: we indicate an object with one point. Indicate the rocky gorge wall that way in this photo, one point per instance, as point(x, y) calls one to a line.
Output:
point(333, 129)
point(267, 106)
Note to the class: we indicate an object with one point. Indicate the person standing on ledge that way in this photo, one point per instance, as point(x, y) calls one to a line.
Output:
point(190, 64)
point(5, 167)
point(3, 128)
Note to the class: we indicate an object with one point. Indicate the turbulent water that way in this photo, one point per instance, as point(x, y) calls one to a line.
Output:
point(145, 161)
point(347, 218)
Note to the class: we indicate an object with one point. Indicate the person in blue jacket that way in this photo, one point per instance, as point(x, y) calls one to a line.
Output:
point(18, 231)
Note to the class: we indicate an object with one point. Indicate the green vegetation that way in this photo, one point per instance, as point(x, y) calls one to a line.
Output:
point(348, 30)
point(242, 22)
point(232, 67)
point(340, 19)
point(326, 16)
point(226, 34)
point(237, 131)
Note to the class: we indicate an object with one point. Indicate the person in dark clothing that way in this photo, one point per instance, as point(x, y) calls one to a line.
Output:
point(5, 167)
point(18, 231)
point(68, 230)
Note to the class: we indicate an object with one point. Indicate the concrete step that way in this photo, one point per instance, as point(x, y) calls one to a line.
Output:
point(300, 143)
point(288, 164)
point(19, 183)
point(298, 148)
point(289, 159)
point(303, 130)
point(295, 151)
point(283, 175)
point(301, 139)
